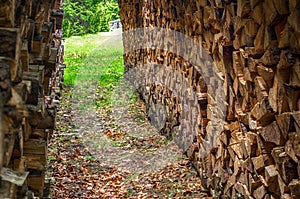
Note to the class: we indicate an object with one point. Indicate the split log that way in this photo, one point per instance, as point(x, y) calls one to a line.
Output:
point(7, 17)
point(36, 182)
point(295, 188)
point(10, 48)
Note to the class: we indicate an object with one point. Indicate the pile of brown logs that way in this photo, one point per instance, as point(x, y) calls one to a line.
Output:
point(255, 46)
point(31, 70)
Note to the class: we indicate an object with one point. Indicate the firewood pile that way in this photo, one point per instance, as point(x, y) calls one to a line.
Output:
point(255, 47)
point(31, 70)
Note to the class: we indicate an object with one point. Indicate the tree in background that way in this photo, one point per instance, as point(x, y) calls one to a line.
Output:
point(88, 16)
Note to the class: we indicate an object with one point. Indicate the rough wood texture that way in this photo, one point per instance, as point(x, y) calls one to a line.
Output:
point(29, 82)
point(255, 46)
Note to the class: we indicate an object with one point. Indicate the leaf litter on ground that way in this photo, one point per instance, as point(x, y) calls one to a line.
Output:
point(81, 167)
point(104, 146)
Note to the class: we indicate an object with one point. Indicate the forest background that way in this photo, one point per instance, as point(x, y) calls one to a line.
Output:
point(88, 16)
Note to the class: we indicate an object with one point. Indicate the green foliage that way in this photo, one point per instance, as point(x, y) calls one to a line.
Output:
point(88, 16)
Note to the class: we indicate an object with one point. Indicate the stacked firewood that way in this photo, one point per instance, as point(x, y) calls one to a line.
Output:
point(255, 46)
point(31, 69)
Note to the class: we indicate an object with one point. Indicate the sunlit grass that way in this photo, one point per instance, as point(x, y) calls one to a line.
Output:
point(91, 60)
point(86, 52)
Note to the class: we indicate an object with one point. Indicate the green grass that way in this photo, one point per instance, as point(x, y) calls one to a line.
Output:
point(76, 51)
point(118, 144)
point(90, 55)
point(94, 60)
point(108, 80)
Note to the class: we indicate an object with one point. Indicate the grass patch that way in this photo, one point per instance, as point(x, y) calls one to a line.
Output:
point(118, 144)
point(85, 56)
point(108, 80)
point(51, 158)
point(94, 60)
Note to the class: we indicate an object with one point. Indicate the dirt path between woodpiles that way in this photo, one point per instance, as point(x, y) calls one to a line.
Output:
point(113, 151)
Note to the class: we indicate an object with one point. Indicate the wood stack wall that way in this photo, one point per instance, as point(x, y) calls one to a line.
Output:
point(255, 46)
point(31, 69)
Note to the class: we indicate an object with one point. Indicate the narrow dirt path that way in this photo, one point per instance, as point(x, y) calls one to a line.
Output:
point(113, 151)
